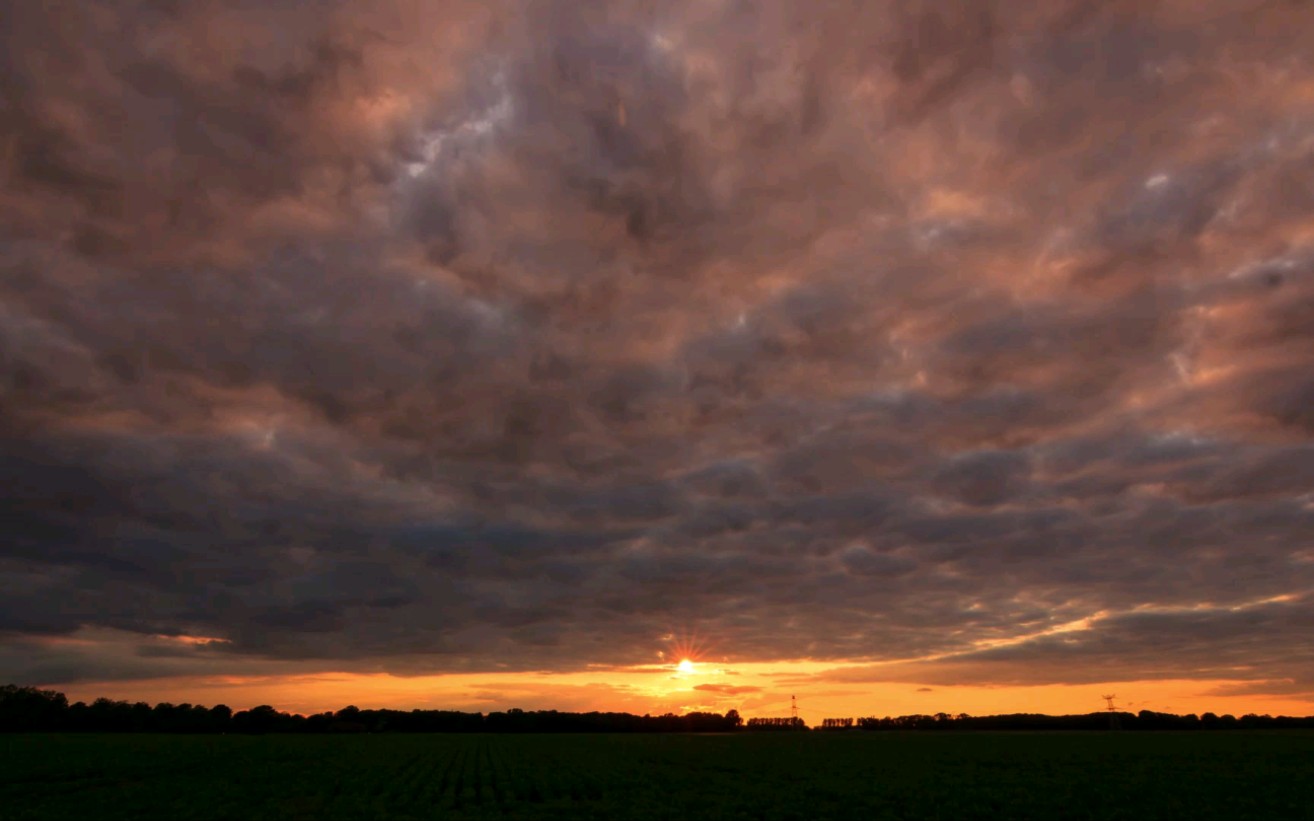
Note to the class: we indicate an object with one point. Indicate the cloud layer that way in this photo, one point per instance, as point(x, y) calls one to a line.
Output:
point(438, 337)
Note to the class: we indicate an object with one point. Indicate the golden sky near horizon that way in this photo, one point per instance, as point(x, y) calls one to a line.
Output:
point(682, 679)
point(912, 356)
point(753, 690)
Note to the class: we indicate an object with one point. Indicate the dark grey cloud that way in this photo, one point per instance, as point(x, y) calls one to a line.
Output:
point(481, 336)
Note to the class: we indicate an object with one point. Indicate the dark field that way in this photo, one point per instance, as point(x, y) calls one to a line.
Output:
point(817, 775)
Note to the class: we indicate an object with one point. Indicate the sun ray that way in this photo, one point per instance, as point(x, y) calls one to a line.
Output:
point(685, 646)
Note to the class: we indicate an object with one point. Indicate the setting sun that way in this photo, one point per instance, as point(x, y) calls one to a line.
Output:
point(685, 666)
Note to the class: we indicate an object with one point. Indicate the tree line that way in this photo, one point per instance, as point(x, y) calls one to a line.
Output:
point(34, 710)
point(769, 724)
point(1103, 720)
point(28, 709)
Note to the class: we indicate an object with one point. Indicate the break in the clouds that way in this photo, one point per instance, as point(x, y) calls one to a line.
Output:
point(427, 337)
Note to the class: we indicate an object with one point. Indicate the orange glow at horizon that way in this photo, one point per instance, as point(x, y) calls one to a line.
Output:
point(753, 688)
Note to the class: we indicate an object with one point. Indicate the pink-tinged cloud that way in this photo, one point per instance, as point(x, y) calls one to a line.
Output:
point(468, 337)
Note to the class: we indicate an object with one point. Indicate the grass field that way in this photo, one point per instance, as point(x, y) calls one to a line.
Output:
point(749, 776)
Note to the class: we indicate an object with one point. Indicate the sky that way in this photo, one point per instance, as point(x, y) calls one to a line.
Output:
point(903, 357)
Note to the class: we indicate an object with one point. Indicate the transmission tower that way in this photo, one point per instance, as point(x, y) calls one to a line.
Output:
point(793, 708)
point(1112, 710)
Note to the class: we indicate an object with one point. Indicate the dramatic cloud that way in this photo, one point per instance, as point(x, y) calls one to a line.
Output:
point(945, 343)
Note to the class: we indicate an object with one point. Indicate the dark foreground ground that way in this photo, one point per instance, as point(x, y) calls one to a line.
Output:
point(849, 775)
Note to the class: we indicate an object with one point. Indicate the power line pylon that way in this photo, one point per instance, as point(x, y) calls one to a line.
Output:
point(1112, 710)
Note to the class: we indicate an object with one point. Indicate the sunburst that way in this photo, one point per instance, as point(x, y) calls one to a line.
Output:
point(684, 649)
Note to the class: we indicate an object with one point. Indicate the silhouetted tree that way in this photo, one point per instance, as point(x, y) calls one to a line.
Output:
point(221, 716)
point(348, 720)
point(27, 708)
point(262, 719)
